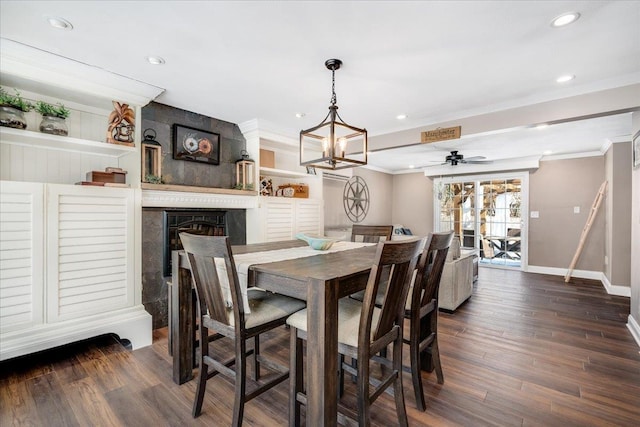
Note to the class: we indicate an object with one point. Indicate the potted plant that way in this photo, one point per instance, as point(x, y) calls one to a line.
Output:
point(53, 118)
point(12, 109)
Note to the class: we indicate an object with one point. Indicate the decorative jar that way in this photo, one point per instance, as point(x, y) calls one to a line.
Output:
point(12, 117)
point(54, 125)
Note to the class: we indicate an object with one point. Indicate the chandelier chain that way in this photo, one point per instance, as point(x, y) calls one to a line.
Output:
point(333, 87)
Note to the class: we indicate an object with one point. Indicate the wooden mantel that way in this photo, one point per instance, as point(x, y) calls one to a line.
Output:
point(193, 189)
point(184, 196)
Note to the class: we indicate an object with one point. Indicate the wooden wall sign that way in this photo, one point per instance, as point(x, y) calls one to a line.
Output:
point(440, 134)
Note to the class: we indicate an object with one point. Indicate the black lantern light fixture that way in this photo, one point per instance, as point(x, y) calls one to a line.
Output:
point(333, 144)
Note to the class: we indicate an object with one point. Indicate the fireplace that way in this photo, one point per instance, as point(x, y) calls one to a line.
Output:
point(203, 222)
point(160, 227)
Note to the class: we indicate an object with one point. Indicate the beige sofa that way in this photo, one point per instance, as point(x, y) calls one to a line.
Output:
point(456, 284)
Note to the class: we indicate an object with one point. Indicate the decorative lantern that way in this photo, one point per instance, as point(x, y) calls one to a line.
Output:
point(151, 158)
point(245, 172)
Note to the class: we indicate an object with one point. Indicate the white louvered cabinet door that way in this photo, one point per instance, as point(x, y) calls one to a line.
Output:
point(278, 218)
point(21, 255)
point(308, 215)
point(90, 250)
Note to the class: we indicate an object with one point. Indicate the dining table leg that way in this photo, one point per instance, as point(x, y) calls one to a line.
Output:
point(322, 353)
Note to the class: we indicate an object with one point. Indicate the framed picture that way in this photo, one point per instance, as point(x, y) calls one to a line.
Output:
point(196, 145)
point(635, 146)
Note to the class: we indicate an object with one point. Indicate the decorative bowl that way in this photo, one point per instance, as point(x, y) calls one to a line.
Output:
point(317, 243)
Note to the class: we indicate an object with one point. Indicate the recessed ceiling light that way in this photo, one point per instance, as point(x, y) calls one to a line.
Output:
point(401, 116)
point(59, 23)
point(411, 166)
point(155, 60)
point(300, 115)
point(542, 126)
point(566, 78)
point(547, 152)
point(565, 19)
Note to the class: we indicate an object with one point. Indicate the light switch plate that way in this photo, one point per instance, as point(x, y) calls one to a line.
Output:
point(576, 209)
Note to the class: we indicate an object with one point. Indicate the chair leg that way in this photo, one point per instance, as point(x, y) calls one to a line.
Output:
point(256, 357)
point(398, 391)
point(416, 374)
point(202, 375)
point(296, 377)
point(341, 376)
point(364, 403)
point(241, 382)
point(435, 356)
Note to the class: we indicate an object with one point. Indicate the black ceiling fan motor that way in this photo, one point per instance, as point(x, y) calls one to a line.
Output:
point(454, 158)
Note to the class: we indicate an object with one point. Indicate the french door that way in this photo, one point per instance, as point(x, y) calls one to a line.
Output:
point(487, 212)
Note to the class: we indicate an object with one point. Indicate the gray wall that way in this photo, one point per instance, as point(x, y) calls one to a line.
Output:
point(554, 189)
point(635, 234)
point(412, 202)
point(161, 118)
point(618, 219)
point(380, 192)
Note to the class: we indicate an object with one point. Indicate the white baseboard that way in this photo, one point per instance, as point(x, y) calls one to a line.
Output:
point(622, 291)
point(634, 328)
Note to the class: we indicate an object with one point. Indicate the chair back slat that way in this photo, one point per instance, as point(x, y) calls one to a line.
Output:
point(399, 259)
point(430, 268)
point(371, 233)
point(202, 252)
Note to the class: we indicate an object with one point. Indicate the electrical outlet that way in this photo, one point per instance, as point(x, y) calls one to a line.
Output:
point(535, 214)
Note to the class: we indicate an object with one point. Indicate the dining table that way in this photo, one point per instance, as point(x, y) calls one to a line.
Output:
point(321, 280)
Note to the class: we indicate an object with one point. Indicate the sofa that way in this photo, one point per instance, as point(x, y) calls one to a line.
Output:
point(458, 275)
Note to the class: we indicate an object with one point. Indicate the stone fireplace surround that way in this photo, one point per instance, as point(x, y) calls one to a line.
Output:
point(154, 204)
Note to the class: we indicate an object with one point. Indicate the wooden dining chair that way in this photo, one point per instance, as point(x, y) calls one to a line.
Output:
point(267, 311)
point(363, 330)
point(371, 233)
point(422, 312)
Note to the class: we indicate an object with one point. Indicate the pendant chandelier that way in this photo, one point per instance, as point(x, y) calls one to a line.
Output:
point(333, 144)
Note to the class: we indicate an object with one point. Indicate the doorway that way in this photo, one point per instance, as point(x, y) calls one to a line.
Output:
point(488, 213)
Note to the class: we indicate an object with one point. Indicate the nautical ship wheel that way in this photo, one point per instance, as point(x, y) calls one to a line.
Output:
point(356, 199)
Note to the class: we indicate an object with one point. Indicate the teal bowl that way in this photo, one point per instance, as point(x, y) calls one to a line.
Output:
point(317, 243)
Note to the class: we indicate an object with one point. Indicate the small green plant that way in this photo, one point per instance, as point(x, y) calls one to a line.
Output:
point(153, 179)
point(47, 109)
point(239, 187)
point(14, 101)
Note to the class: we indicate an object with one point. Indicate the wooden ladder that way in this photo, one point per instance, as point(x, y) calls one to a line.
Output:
point(585, 230)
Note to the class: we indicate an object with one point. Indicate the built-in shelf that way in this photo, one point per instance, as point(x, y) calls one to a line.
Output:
point(63, 143)
point(283, 173)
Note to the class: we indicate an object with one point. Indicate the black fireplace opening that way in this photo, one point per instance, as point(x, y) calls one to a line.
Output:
point(205, 222)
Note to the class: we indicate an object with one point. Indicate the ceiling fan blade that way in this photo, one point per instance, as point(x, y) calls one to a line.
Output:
point(475, 158)
point(477, 162)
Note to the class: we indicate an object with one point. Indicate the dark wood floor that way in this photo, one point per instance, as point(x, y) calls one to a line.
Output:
point(525, 350)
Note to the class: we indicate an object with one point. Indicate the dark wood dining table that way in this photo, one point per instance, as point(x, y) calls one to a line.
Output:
point(320, 280)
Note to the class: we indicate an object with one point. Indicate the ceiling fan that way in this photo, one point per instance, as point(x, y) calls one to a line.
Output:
point(454, 158)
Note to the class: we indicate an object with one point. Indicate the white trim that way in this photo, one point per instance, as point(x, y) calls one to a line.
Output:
point(132, 323)
point(168, 199)
point(572, 156)
point(633, 326)
point(31, 64)
point(621, 291)
point(523, 163)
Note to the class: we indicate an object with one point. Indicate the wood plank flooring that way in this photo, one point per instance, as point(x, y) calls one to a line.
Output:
point(525, 350)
